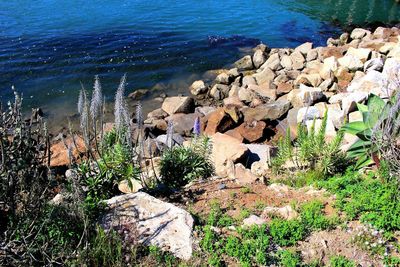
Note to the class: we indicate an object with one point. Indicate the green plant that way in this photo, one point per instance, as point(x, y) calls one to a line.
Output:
point(310, 150)
point(179, 165)
point(340, 261)
point(288, 258)
point(313, 218)
point(287, 232)
point(245, 190)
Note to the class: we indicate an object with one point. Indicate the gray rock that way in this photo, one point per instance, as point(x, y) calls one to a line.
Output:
point(155, 222)
point(265, 76)
point(305, 96)
point(219, 91)
point(273, 62)
point(223, 78)
point(269, 111)
point(183, 123)
point(245, 63)
point(259, 58)
point(178, 104)
point(176, 139)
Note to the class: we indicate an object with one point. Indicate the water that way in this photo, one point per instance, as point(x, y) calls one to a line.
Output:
point(49, 48)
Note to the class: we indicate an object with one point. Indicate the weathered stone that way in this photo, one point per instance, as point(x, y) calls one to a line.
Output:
point(246, 94)
point(259, 58)
point(329, 67)
point(218, 121)
point(253, 220)
point(247, 80)
point(223, 78)
point(59, 152)
point(263, 91)
point(286, 62)
point(359, 33)
point(57, 200)
point(344, 38)
point(157, 114)
point(281, 78)
point(183, 123)
point(287, 212)
point(351, 62)
point(176, 139)
point(395, 52)
point(297, 60)
point(313, 67)
point(178, 104)
point(361, 53)
point(305, 96)
point(260, 169)
point(204, 111)
point(387, 47)
point(344, 77)
point(198, 87)
point(138, 94)
point(269, 111)
point(233, 73)
point(226, 150)
point(337, 99)
point(235, 134)
point(265, 76)
point(252, 131)
point(313, 80)
point(154, 222)
point(304, 48)
point(326, 85)
point(219, 91)
point(312, 55)
point(259, 152)
point(373, 82)
point(308, 113)
point(336, 52)
point(273, 62)
point(233, 101)
point(244, 176)
point(245, 63)
point(349, 102)
point(284, 88)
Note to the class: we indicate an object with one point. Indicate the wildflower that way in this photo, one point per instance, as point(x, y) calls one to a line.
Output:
point(95, 105)
point(170, 133)
point(81, 101)
point(197, 127)
point(120, 108)
point(139, 115)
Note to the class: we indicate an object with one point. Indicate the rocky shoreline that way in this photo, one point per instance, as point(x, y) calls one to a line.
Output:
point(253, 104)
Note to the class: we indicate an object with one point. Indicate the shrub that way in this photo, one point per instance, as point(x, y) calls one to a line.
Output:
point(313, 218)
point(340, 261)
point(179, 165)
point(311, 151)
point(287, 233)
point(288, 258)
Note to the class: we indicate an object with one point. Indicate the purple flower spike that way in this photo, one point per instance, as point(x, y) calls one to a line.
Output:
point(197, 127)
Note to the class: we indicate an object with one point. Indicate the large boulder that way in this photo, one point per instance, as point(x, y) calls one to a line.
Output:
point(178, 104)
point(252, 131)
point(304, 48)
point(269, 111)
point(305, 96)
point(359, 33)
point(374, 82)
point(226, 151)
point(151, 222)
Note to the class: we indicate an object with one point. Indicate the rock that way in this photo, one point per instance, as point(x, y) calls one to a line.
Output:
point(269, 111)
point(387, 47)
point(308, 113)
point(178, 104)
point(253, 220)
point(205, 110)
point(287, 212)
point(329, 67)
point(57, 200)
point(359, 33)
point(344, 38)
point(337, 98)
point(286, 62)
point(297, 60)
point(373, 64)
point(198, 87)
point(360, 53)
point(373, 82)
point(336, 52)
point(351, 62)
point(259, 58)
point(183, 123)
point(259, 152)
point(245, 63)
point(233, 73)
point(235, 134)
point(252, 131)
point(244, 176)
point(349, 102)
point(234, 91)
point(313, 67)
point(218, 121)
point(246, 94)
point(313, 80)
point(260, 169)
point(223, 78)
point(176, 139)
point(155, 222)
point(233, 101)
point(157, 114)
point(305, 96)
point(59, 151)
point(304, 48)
point(219, 91)
point(138, 94)
point(265, 76)
point(281, 78)
point(263, 91)
point(326, 85)
point(273, 62)
point(334, 113)
point(247, 80)
point(395, 52)
point(344, 77)
point(284, 88)
point(127, 187)
point(312, 55)
point(355, 116)
point(226, 151)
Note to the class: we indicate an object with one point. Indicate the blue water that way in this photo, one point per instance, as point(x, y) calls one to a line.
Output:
point(48, 47)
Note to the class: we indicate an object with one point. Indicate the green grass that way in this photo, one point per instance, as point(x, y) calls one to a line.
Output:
point(340, 261)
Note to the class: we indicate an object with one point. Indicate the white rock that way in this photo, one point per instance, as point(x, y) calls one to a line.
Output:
point(198, 87)
point(351, 62)
point(349, 102)
point(329, 67)
point(258, 58)
point(156, 222)
point(305, 96)
point(287, 212)
point(265, 76)
point(359, 33)
point(360, 53)
point(273, 62)
point(304, 48)
point(308, 113)
point(286, 62)
point(253, 220)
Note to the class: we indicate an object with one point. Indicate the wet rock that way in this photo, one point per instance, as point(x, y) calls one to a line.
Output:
point(178, 104)
point(245, 63)
point(198, 87)
point(226, 151)
point(155, 222)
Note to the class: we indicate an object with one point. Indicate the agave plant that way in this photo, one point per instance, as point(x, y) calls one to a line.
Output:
point(364, 149)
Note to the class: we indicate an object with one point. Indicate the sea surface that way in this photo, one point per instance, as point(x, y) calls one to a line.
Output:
point(50, 48)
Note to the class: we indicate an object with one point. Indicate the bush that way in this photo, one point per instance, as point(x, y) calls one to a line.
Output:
point(179, 165)
point(311, 151)
point(313, 218)
point(287, 233)
point(340, 261)
point(288, 258)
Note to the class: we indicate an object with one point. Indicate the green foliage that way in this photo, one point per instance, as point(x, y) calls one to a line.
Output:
point(313, 218)
point(288, 258)
point(363, 149)
point(287, 232)
point(340, 261)
point(311, 151)
point(367, 198)
point(391, 261)
point(179, 165)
